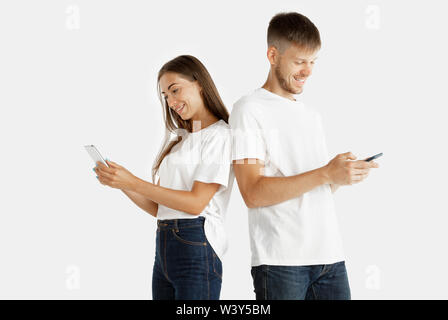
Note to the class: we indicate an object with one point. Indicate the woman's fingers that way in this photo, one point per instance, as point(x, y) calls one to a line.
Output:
point(105, 174)
point(112, 164)
point(104, 168)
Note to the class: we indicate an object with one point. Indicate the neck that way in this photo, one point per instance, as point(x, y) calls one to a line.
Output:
point(202, 120)
point(272, 84)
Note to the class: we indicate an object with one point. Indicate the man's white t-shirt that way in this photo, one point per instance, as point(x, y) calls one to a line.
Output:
point(289, 137)
point(205, 156)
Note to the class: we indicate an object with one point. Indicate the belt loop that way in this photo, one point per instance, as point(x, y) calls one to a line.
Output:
point(176, 226)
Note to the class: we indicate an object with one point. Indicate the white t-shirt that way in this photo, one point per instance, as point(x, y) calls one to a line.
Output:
point(205, 156)
point(289, 137)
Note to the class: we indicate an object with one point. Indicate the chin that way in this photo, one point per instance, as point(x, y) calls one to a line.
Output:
point(298, 90)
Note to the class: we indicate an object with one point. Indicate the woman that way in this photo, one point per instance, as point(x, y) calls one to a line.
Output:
point(194, 186)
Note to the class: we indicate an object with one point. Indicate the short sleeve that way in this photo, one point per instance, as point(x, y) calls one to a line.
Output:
point(247, 135)
point(215, 163)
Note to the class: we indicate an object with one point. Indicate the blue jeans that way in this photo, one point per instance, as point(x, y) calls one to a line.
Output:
point(186, 267)
point(315, 282)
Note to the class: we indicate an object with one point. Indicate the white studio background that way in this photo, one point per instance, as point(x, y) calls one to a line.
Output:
point(84, 72)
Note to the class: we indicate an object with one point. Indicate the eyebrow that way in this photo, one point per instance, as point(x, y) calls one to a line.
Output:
point(306, 60)
point(170, 86)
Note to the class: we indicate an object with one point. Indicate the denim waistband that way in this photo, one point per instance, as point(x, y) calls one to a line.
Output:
point(179, 223)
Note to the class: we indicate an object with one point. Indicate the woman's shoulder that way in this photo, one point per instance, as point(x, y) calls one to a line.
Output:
point(222, 125)
point(218, 131)
point(218, 127)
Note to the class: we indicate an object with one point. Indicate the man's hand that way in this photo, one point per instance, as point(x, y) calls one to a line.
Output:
point(340, 170)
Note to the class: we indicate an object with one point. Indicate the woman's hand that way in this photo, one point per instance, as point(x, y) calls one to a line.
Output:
point(115, 176)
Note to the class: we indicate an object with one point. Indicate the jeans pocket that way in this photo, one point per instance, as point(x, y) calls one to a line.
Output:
point(192, 236)
point(217, 265)
point(259, 278)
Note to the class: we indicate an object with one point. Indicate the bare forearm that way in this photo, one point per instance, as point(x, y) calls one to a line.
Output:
point(268, 191)
point(184, 201)
point(143, 203)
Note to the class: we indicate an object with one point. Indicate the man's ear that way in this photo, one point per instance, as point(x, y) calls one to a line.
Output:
point(273, 54)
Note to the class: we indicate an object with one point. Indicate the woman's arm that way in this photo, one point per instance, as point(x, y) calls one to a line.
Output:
point(142, 202)
point(192, 202)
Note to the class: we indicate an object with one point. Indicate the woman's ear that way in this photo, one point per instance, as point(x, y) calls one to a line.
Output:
point(199, 87)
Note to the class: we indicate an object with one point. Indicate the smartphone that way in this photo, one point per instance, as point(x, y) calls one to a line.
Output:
point(374, 157)
point(95, 154)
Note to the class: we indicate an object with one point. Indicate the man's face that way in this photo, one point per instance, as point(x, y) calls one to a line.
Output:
point(294, 66)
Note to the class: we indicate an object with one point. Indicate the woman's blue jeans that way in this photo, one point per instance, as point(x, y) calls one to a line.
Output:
point(186, 267)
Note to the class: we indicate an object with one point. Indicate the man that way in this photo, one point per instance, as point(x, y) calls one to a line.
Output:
point(281, 165)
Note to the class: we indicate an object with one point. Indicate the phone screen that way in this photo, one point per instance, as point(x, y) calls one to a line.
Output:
point(374, 157)
point(95, 154)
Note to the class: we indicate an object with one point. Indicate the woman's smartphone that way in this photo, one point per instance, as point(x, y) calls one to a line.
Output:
point(95, 154)
point(374, 157)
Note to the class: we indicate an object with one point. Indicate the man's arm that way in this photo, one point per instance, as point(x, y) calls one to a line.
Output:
point(260, 191)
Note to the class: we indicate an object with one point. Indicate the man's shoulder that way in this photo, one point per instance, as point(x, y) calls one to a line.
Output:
point(250, 102)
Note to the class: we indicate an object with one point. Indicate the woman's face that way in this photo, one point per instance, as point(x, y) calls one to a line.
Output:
point(182, 95)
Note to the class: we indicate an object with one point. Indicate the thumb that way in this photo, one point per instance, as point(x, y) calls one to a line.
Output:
point(348, 155)
point(111, 163)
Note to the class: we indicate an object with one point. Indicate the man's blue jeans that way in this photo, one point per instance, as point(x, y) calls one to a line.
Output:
point(315, 282)
point(186, 267)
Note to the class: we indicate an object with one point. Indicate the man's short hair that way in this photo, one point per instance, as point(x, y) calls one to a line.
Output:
point(288, 28)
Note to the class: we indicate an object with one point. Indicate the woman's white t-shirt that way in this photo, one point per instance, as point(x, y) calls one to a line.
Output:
point(205, 156)
point(289, 137)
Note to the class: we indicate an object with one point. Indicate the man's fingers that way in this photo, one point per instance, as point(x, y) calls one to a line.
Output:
point(358, 172)
point(348, 155)
point(361, 164)
point(374, 164)
point(358, 178)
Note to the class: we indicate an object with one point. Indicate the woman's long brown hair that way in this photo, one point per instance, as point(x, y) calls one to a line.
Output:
point(192, 69)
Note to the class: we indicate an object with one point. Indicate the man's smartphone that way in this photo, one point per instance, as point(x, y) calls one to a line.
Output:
point(374, 157)
point(95, 154)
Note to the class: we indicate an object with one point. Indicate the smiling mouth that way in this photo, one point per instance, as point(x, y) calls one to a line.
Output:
point(179, 108)
point(299, 81)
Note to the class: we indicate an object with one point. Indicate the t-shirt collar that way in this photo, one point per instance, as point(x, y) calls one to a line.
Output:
point(296, 96)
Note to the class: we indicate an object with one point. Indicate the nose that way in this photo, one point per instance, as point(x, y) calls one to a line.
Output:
point(306, 72)
point(171, 102)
